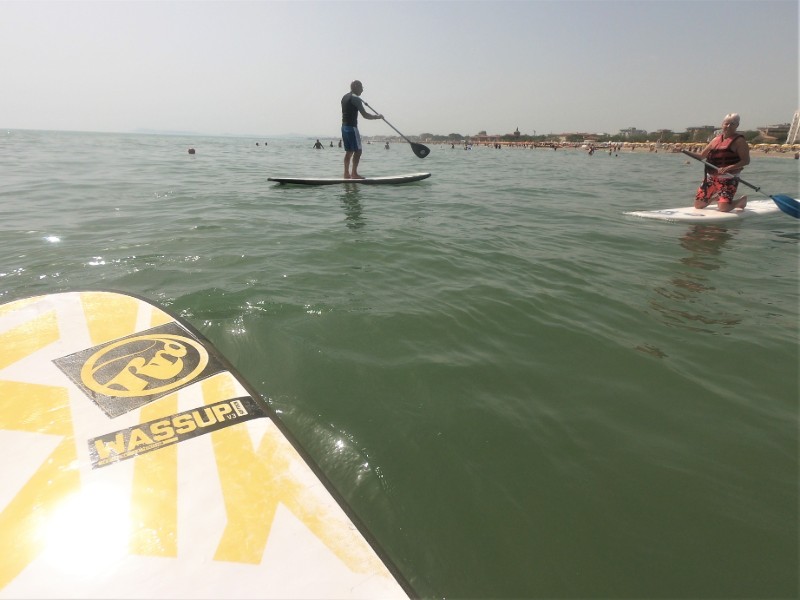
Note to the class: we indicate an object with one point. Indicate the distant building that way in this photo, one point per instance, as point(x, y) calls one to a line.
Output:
point(702, 133)
point(578, 136)
point(631, 131)
point(483, 138)
point(775, 132)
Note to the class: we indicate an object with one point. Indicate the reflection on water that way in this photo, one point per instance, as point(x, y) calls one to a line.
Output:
point(680, 302)
point(705, 242)
point(351, 203)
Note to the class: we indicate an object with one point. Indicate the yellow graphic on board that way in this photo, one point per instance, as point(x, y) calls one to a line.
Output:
point(155, 508)
point(36, 409)
point(255, 477)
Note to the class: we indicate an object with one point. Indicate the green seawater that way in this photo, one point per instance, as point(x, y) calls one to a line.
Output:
point(521, 391)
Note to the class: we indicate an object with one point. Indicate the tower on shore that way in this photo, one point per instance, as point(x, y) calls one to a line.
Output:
point(794, 129)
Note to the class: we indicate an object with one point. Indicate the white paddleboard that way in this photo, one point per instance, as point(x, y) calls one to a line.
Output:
point(690, 214)
point(389, 179)
point(138, 464)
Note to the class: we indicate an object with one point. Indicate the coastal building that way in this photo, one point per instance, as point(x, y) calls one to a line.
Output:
point(483, 138)
point(775, 133)
point(702, 133)
point(631, 131)
point(579, 136)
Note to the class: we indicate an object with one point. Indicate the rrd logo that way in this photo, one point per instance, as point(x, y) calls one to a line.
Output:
point(146, 437)
point(144, 365)
point(129, 372)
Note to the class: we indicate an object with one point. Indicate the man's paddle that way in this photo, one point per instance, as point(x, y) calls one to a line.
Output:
point(418, 149)
point(786, 203)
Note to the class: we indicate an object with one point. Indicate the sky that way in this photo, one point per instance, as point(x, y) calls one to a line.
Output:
point(268, 68)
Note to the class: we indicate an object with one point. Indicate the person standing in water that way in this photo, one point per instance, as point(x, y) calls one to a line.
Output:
point(730, 153)
point(351, 106)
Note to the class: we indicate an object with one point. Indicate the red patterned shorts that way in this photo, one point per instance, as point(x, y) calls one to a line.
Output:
point(714, 185)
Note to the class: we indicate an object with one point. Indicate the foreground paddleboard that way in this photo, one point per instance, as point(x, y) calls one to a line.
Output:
point(138, 463)
point(689, 214)
point(391, 179)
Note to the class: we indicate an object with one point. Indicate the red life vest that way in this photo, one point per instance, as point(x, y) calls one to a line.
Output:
point(721, 154)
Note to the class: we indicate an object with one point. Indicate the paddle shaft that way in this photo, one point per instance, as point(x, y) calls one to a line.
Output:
point(387, 122)
point(420, 150)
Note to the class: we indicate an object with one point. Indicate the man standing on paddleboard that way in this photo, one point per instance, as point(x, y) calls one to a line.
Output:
point(351, 106)
point(730, 153)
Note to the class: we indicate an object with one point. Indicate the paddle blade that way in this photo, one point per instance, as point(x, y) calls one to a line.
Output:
point(420, 150)
point(788, 205)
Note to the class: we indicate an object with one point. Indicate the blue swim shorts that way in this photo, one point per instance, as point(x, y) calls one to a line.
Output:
point(351, 138)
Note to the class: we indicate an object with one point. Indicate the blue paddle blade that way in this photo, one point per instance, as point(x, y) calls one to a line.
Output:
point(788, 205)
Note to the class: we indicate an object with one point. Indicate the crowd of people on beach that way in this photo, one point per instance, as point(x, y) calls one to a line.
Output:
point(781, 150)
point(785, 150)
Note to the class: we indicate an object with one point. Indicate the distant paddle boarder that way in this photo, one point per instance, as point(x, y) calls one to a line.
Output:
point(351, 106)
point(730, 153)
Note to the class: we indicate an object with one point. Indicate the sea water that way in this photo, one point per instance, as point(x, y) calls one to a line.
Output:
point(520, 390)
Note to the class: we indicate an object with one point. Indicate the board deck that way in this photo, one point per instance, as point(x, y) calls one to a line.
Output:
point(389, 179)
point(689, 214)
point(138, 463)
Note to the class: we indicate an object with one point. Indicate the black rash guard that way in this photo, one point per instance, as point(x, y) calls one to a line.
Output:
point(351, 104)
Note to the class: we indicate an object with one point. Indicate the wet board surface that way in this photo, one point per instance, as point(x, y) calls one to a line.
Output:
point(689, 214)
point(389, 179)
point(138, 463)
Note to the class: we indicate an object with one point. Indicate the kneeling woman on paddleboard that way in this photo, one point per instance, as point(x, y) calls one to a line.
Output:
point(729, 153)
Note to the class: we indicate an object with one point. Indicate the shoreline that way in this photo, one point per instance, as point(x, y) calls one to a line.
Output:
point(791, 152)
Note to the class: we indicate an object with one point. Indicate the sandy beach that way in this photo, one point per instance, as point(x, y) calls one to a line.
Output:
point(756, 150)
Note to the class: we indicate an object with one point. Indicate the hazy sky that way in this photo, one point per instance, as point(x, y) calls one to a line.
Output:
point(270, 68)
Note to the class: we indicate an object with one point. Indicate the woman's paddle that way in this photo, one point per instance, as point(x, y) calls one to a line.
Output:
point(418, 149)
point(786, 203)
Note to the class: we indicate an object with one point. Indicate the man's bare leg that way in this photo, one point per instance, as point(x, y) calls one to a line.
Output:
point(347, 156)
point(354, 171)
